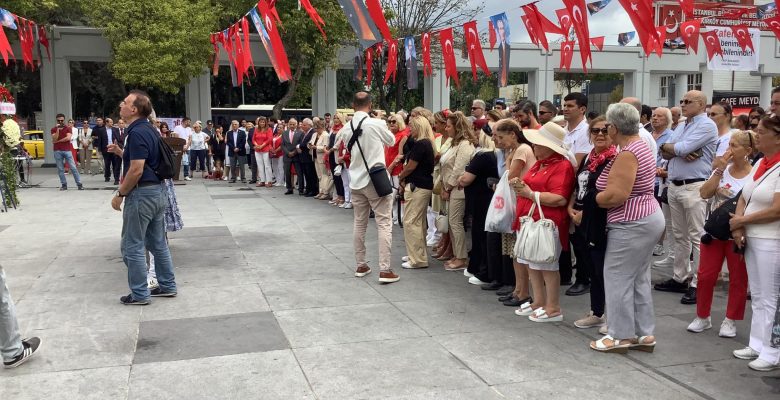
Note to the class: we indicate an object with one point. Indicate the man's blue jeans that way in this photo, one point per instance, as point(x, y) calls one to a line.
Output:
point(60, 157)
point(10, 339)
point(143, 228)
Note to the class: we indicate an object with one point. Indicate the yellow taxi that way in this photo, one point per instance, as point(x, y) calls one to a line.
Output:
point(33, 143)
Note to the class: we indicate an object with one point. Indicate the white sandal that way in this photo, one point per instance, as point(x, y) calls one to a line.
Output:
point(642, 346)
point(525, 310)
point(540, 315)
point(616, 347)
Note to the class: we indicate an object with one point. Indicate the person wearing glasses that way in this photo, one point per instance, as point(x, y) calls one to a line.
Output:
point(661, 122)
point(477, 109)
point(721, 114)
point(774, 105)
point(547, 111)
point(61, 135)
point(730, 173)
point(690, 152)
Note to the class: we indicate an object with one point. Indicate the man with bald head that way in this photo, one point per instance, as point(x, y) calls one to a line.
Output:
point(236, 145)
point(290, 139)
point(643, 133)
point(676, 113)
point(306, 159)
point(690, 152)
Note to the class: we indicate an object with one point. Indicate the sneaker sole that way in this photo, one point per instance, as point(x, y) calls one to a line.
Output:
point(362, 274)
point(588, 326)
point(744, 358)
point(23, 360)
point(137, 303)
point(389, 280)
point(415, 267)
point(727, 336)
point(766, 369)
point(164, 295)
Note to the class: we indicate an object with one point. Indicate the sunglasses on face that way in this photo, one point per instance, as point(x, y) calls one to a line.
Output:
point(714, 114)
point(599, 131)
point(476, 108)
point(60, 120)
point(391, 122)
point(686, 101)
point(753, 126)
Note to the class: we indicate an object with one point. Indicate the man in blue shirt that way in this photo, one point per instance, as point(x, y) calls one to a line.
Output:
point(143, 219)
point(690, 152)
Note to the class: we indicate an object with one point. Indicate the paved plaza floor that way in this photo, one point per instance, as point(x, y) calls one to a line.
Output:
point(268, 308)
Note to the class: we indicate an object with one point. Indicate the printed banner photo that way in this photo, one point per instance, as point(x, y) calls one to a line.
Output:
point(734, 57)
point(597, 6)
point(359, 18)
point(500, 25)
point(410, 59)
point(281, 72)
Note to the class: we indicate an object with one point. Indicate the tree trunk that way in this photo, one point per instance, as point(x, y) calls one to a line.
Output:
point(292, 84)
point(399, 88)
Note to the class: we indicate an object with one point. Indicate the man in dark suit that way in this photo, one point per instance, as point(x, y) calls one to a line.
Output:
point(107, 135)
point(236, 143)
point(504, 51)
point(290, 139)
point(306, 159)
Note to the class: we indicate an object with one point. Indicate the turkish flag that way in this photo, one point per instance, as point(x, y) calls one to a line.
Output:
point(392, 60)
point(567, 52)
point(641, 14)
point(448, 53)
point(5, 46)
point(270, 17)
point(426, 53)
point(742, 35)
point(247, 51)
point(579, 19)
point(314, 15)
point(687, 7)
point(491, 35)
point(535, 25)
point(26, 41)
point(657, 43)
point(598, 42)
point(689, 32)
point(378, 15)
point(712, 43)
point(369, 64)
point(476, 57)
point(44, 40)
point(215, 67)
point(531, 29)
point(565, 20)
point(774, 24)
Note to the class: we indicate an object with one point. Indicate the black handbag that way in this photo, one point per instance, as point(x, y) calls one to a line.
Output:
point(717, 225)
point(378, 173)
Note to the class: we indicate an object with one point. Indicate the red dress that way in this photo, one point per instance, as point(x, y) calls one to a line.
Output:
point(392, 152)
point(558, 178)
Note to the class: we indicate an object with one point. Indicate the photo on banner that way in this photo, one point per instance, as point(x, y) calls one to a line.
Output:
point(361, 22)
point(410, 58)
point(260, 27)
point(7, 19)
point(767, 10)
point(626, 37)
point(597, 6)
point(500, 24)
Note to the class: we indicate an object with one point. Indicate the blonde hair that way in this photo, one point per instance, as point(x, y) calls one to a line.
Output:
point(341, 118)
point(424, 112)
point(746, 139)
point(420, 128)
point(399, 121)
point(462, 128)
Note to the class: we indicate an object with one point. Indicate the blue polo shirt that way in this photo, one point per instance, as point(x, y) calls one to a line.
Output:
point(142, 143)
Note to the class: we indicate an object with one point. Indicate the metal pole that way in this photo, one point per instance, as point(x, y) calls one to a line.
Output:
point(243, 100)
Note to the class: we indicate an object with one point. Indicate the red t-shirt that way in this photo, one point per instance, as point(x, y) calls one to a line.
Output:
point(276, 141)
point(557, 178)
point(62, 146)
point(392, 152)
point(262, 137)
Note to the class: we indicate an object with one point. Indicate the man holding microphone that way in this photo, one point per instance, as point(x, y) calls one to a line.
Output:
point(63, 152)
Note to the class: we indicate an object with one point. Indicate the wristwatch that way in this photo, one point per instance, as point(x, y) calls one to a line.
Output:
point(119, 194)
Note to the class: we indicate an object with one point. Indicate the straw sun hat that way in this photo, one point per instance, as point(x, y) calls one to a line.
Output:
point(551, 136)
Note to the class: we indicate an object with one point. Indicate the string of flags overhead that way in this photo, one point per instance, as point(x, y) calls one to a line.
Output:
point(31, 37)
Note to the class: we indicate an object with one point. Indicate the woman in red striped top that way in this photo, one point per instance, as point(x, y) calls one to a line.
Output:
point(634, 225)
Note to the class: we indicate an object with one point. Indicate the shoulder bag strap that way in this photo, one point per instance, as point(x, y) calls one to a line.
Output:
point(766, 175)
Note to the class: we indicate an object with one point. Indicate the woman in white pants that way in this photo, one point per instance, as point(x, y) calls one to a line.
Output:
point(263, 138)
point(277, 161)
point(756, 230)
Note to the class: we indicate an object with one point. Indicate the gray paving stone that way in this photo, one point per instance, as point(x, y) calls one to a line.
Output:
point(208, 258)
point(233, 196)
point(325, 267)
point(200, 231)
point(184, 244)
point(86, 384)
point(460, 315)
point(217, 275)
point(191, 338)
point(81, 310)
point(111, 284)
point(368, 370)
point(335, 325)
point(319, 293)
point(269, 375)
point(726, 379)
point(4, 227)
point(197, 301)
point(71, 266)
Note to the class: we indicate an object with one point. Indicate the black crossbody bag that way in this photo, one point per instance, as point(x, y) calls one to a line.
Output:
point(378, 173)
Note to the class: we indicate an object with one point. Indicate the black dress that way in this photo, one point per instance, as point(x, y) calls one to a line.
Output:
point(217, 148)
point(478, 196)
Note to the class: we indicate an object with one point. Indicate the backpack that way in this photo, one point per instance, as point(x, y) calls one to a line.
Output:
point(166, 165)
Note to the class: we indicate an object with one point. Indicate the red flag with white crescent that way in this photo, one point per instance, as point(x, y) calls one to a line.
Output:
point(426, 53)
point(26, 41)
point(476, 56)
point(774, 24)
point(392, 60)
point(369, 64)
point(448, 53)
point(658, 42)
point(598, 42)
point(270, 17)
point(43, 39)
point(579, 20)
point(687, 7)
point(742, 35)
point(567, 52)
point(712, 43)
point(314, 15)
point(378, 15)
point(531, 29)
point(689, 32)
point(215, 66)
point(491, 35)
point(565, 20)
point(238, 48)
point(248, 60)
point(534, 25)
point(5, 46)
point(641, 14)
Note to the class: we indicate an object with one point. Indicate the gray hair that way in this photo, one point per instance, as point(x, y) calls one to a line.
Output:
point(667, 113)
point(624, 117)
point(480, 103)
point(307, 121)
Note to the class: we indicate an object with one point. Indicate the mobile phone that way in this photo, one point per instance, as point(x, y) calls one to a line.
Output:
point(740, 250)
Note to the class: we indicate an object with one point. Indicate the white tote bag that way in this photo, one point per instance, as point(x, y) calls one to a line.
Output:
point(537, 242)
point(501, 213)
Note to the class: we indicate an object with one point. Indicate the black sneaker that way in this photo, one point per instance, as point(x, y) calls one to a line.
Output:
point(81, 187)
point(157, 292)
point(63, 188)
point(130, 301)
point(495, 285)
point(30, 346)
point(671, 285)
point(689, 297)
point(506, 290)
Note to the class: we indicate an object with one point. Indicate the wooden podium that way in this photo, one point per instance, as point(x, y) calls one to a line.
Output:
point(177, 145)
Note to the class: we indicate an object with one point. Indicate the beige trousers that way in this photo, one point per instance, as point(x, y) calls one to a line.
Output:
point(363, 201)
point(456, 210)
point(687, 212)
point(415, 225)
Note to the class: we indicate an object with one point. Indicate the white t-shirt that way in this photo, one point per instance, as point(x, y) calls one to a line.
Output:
point(577, 140)
point(723, 143)
point(373, 141)
point(729, 186)
point(198, 141)
point(648, 138)
point(761, 198)
point(182, 132)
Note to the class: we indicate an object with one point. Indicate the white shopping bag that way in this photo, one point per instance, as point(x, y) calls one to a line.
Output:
point(501, 213)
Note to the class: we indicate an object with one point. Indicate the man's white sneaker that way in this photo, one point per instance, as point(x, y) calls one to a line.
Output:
point(763, 366)
point(699, 325)
point(728, 328)
point(187, 178)
point(405, 258)
point(666, 262)
point(467, 274)
point(475, 281)
point(347, 206)
point(746, 353)
point(152, 283)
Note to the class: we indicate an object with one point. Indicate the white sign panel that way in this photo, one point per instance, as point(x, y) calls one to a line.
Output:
point(734, 58)
point(7, 108)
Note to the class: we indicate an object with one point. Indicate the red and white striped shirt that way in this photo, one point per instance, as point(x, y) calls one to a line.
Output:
point(640, 202)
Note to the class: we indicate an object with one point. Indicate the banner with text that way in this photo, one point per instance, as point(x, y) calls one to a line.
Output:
point(734, 58)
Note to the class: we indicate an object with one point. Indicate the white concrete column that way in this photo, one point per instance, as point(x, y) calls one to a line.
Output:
point(707, 84)
point(55, 98)
point(541, 85)
point(680, 87)
point(766, 92)
point(436, 93)
point(197, 98)
point(323, 97)
point(637, 84)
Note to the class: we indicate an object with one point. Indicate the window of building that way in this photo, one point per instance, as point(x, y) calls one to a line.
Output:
point(694, 82)
point(666, 82)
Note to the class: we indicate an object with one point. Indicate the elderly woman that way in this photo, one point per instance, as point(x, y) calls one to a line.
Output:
point(590, 220)
point(325, 182)
point(732, 172)
point(453, 163)
point(756, 231)
point(552, 179)
point(263, 137)
point(197, 142)
point(634, 223)
point(416, 188)
point(661, 122)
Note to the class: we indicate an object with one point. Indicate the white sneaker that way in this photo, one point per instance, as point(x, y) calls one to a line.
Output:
point(746, 353)
point(431, 243)
point(666, 262)
point(699, 325)
point(475, 281)
point(467, 274)
point(408, 265)
point(763, 366)
point(405, 258)
point(658, 250)
point(603, 330)
point(728, 328)
point(152, 283)
point(187, 178)
point(224, 178)
point(347, 206)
